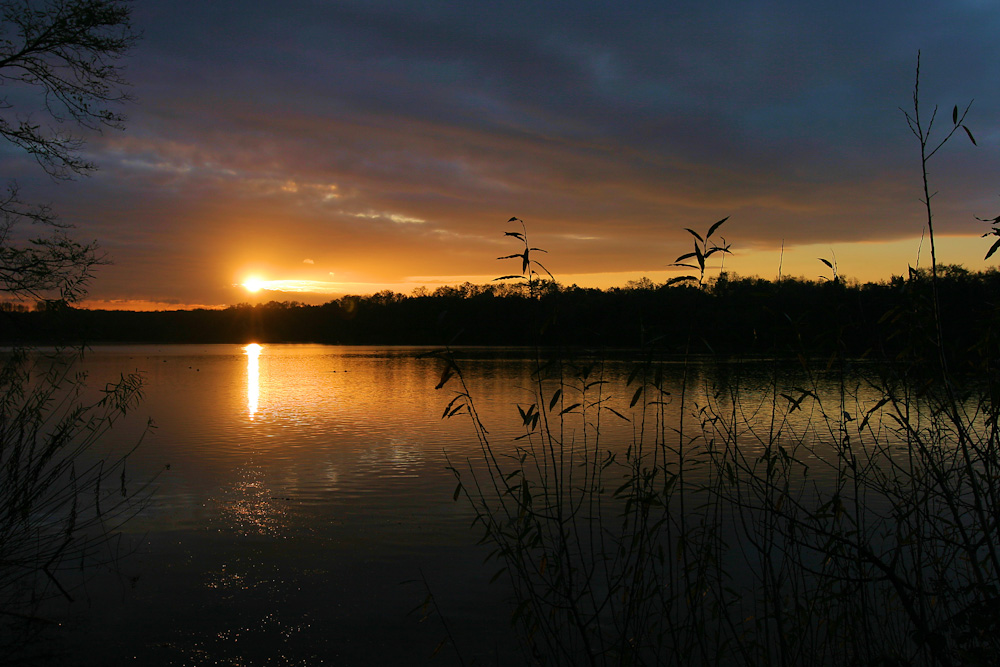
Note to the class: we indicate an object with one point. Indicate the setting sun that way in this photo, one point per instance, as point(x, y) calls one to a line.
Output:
point(253, 284)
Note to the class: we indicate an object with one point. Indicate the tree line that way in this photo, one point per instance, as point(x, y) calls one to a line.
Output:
point(729, 314)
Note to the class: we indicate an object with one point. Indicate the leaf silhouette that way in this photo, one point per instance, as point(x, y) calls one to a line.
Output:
point(616, 413)
point(695, 234)
point(715, 226)
point(971, 138)
point(992, 250)
point(555, 398)
point(635, 396)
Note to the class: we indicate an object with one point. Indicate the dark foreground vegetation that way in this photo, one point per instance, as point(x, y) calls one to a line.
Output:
point(803, 513)
point(61, 503)
point(734, 315)
point(791, 511)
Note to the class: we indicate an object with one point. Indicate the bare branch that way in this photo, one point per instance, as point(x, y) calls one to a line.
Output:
point(63, 58)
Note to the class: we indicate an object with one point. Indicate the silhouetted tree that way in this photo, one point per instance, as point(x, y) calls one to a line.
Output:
point(60, 68)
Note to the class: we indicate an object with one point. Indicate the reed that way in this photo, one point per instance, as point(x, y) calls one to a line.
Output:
point(786, 512)
point(62, 499)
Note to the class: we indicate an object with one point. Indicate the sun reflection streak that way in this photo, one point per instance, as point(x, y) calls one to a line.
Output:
point(253, 377)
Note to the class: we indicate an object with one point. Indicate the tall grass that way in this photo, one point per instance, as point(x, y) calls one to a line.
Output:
point(62, 499)
point(780, 513)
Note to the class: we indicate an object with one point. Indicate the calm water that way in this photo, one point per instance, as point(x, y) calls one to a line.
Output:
point(307, 489)
point(306, 486)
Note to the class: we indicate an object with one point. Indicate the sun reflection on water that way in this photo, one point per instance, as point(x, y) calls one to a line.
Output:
point(249, 507)
point(253, 377)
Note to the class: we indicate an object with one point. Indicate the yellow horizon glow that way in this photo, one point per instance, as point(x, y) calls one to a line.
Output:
point(864, 261)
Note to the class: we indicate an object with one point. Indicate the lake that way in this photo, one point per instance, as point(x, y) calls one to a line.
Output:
point(307, 485)
point(302, 508)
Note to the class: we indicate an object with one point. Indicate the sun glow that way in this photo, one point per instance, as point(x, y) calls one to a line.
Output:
point(253, 284)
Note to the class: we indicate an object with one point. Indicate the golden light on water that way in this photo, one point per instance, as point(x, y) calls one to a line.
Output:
point(253, 351)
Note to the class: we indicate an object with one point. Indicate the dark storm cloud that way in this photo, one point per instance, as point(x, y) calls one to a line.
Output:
point(698, 81)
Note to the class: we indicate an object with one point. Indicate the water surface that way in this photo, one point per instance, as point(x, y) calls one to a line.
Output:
point(302, 506)
point(306, 505)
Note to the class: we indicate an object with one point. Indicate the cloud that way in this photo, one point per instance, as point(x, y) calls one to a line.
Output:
point(398, 218)
point(394, 138)
point(300, 286)
point(405, 220)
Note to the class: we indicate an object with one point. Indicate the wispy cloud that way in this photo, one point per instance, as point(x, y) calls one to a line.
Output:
point(393, 217)
point(299, 286)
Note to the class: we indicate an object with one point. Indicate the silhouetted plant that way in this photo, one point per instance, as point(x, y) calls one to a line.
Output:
point(993, 232)
point(834, 276)
point(56, 506)
point(795, 516)
point(703, 249)
point(529, 273)
point(928, 148)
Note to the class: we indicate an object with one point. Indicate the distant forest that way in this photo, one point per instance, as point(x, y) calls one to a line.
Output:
point(728, 315)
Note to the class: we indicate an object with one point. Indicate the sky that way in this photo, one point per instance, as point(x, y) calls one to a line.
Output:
point(323, 148)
